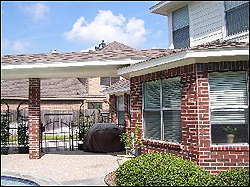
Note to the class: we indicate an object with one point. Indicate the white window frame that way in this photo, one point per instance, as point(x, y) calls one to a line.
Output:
point(172, 31)
point(224, 27)
point(161, 110)
point(210, 131)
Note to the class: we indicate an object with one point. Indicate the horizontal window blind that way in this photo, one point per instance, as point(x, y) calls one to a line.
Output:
point(237, 19)
point(153, 125)
point(180, 18)
point(228, 97)
point(120, 109)
point(162, 110)
point(152, 94)
point(180, 28)
point(228, 90)
point(233, 4)
point(171, 93)
point(172, 125)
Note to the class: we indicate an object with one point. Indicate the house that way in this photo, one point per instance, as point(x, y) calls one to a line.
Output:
point(66, 94)
point(60, 81)
point(190, 101)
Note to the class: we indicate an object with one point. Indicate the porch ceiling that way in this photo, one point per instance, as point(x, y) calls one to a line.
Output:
point(65, 69)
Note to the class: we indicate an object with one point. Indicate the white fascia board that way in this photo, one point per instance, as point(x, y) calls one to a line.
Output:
point(70, 64)
point(182, 56)
point(69, 69)
point(121, 90)
point(165, 7)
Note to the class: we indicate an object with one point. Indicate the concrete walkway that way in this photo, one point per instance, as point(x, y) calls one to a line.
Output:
point(61, 168)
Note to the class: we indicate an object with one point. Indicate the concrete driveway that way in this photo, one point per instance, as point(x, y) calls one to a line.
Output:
point(61, 168)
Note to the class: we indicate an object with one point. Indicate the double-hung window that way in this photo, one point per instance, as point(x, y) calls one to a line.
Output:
point(108, 81)
point(180, 27)
point(229, 107)
point(162, 110)
point(120, 110)
point(237, 16)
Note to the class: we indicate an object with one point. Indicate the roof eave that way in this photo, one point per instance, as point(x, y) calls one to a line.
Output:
point(185, 57)
point(165, 7)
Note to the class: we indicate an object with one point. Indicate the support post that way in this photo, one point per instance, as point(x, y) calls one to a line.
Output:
point(34, 119)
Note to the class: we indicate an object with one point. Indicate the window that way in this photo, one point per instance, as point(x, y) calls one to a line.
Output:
point(162, 110)
point(95, 105)
point(180, 27)
point(237, 16)
point(120, 109)
point(108, 81)
point(228, 107)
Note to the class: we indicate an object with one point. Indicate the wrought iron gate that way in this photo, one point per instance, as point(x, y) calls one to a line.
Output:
point(57, 134)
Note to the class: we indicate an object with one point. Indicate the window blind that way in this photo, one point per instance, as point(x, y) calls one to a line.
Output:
point(152, 94)
point(228, 97)
point(232, 4)
point(120, 109)
point(180, 18)
point(180, 28)
point(171, 96)
point(237, 16)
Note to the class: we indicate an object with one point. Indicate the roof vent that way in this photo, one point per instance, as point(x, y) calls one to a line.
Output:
point(100, 46)
point(53, 51)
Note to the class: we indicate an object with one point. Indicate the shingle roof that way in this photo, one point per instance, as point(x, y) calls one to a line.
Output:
point(63, 88)
point(113, 51)
point(52, 88)
point(217, 44)
point(122, 84)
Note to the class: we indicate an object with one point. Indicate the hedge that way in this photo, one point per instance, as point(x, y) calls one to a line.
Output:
point(157, 169)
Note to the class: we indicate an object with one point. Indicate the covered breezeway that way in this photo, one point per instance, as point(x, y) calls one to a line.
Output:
point(66, 69)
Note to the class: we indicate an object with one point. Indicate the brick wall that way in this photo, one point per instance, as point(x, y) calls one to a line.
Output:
point(34, 119)
point(196, 145)
point(112, 108)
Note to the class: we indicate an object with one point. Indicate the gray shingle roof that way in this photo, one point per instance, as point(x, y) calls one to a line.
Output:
point(52, 88)
point(122, 84)
point(217, 44)
point(68, 88)
point(113, 51)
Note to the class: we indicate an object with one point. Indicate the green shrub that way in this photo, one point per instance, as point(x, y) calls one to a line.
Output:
point(156, 169)
point(235, 177)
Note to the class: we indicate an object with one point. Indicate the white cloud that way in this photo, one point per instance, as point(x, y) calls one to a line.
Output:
point(36, 11)
point(18, 46)
point(109, 27)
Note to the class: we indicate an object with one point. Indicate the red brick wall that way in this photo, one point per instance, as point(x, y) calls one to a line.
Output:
point(112, 108)
point(34, 119)
point(196, 145)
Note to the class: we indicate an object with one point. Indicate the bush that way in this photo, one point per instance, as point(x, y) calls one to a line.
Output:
point(235, 177)
point(156, 169)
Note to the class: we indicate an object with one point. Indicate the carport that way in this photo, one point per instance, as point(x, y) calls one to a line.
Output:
point(34, 71)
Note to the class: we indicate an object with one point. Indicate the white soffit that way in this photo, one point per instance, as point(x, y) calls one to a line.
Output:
point(184, 58)
point(165, 7)
point(66, 69)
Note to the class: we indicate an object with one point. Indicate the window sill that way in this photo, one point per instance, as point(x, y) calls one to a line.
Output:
point(230, 147)
point(162, 144)
point(235, 36)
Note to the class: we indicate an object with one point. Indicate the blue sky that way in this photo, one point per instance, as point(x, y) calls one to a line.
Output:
point(40, 26)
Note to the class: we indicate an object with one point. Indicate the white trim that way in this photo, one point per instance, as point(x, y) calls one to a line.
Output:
point(51, 98)
point(185, 55)
point(69, 64)
point(126, 89)
point(65, 69)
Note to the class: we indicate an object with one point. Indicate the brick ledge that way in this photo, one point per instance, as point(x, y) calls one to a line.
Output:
point(162, 144)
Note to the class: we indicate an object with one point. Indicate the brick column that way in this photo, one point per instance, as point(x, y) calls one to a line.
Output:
point(112, 108)
point(34, 119)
